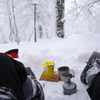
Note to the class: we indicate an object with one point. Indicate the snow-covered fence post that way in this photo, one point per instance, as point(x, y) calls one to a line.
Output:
point(60, 16)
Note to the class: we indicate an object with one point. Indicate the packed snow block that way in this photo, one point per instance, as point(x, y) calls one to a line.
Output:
point(55, 77)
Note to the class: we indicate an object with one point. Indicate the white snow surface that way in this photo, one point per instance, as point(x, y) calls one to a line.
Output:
point(72, 51)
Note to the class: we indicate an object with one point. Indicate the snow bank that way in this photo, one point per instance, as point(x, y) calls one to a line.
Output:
point(72, 51)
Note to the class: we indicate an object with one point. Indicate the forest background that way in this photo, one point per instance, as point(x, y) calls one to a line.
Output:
point(65, 32)
point(30, 20)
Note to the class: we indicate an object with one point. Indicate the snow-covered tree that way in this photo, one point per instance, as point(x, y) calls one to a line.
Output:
point(60, 5)
point(46, 18)
point(82, 16)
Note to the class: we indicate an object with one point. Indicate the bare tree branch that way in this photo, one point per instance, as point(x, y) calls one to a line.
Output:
point(90, 5)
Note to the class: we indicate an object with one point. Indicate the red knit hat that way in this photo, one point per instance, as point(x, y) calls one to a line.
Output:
point(12, 53)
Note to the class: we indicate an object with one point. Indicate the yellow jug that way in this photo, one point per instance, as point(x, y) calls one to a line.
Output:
point(48, 69)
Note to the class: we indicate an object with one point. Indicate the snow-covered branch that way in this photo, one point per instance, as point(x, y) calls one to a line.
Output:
point(79, 9)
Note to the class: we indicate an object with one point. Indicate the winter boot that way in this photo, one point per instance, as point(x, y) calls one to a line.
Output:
point(92, 67)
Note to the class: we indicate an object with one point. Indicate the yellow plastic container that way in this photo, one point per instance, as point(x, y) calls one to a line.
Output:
point(48, 69)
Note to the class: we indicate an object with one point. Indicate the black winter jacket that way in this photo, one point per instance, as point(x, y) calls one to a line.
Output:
point(94, 89)
point(12, 75)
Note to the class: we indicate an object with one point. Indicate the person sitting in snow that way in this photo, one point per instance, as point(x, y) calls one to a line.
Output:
point(91, 76)
point(15, 80)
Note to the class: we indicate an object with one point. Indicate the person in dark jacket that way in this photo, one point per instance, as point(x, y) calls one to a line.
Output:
point(17, 83)
point(91, 76)
point(12, 75)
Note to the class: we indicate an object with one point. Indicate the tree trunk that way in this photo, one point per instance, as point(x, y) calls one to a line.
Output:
point(35, 23)
point(16, 36)
point(60, 16)
point(11, 25)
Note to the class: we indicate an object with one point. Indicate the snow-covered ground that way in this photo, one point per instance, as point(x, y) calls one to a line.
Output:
point(72, 51)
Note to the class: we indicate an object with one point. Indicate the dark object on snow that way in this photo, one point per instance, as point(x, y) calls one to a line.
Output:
point(93, 58)
point(13, 53)
point(39, 95)
point(69, 87)
point(6, 94)
point(94, 89)
point(92, 69)
point(30, 72)
point(12, 78)
point(12, 75)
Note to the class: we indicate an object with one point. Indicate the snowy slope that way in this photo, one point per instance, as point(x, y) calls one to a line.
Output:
point(72, 51)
